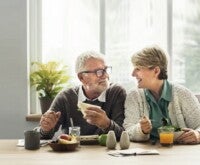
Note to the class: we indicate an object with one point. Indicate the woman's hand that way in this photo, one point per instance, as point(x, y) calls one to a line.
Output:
point(146, 125)
point(189, 136)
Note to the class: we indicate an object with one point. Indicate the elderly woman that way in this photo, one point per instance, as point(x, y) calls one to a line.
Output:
point(158, 99)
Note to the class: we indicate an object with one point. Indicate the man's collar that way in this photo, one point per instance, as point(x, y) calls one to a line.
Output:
point(82, 97)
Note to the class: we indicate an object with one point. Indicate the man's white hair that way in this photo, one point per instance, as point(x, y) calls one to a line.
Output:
point(83, 57)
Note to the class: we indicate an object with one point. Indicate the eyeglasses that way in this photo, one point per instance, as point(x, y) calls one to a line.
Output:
point(100, 72)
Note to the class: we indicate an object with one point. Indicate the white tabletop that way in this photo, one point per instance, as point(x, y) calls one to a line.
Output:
point(10, 154)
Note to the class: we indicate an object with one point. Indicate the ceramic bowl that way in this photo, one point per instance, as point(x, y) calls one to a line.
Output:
point(63, 147)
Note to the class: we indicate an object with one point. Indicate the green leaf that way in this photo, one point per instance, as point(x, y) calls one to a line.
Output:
point(165, 121)
point(48, 78)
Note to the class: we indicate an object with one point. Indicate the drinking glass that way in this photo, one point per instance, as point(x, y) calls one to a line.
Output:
point(166, 134)
point(75, 131)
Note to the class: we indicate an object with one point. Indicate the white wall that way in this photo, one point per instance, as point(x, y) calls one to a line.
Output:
point(13, 69)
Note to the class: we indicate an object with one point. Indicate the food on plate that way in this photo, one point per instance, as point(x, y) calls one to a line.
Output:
point(66, 139)
point(83, 106)
point(65, 136)
point(89, 139)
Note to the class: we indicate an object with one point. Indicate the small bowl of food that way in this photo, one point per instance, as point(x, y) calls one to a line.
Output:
point(63, 147)
point(64, 143)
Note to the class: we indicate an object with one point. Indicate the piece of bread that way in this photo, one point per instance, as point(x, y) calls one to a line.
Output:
point(83, 106)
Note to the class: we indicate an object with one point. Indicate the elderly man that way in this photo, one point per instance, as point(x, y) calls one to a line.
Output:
point(93, 73)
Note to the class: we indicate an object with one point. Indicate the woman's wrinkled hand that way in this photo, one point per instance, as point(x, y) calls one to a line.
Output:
point(145, 124)
point(189, 136)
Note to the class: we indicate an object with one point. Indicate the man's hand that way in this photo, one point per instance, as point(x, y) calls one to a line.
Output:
point(189, 136)
point(145, 124)
point(49, 120)
point(97, 116)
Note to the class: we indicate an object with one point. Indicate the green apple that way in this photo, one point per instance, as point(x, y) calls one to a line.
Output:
point(102, 139)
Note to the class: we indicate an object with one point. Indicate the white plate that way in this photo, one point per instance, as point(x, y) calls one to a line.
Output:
point(89, 139)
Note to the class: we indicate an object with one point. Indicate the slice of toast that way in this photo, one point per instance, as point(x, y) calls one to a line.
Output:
point(83, 106)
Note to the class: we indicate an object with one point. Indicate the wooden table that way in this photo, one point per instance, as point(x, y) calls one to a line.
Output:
point(10, 154)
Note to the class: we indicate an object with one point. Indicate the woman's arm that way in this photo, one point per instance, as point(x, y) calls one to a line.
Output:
point(135, 108)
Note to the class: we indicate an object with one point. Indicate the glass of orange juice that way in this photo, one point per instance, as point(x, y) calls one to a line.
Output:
point(166, 134)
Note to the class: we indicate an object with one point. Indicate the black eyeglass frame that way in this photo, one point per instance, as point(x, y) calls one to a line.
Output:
point(99, 72)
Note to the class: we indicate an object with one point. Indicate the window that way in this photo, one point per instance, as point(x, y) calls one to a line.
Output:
point(186, 43)
point(131, 25)
point(69, 28)
point(118, 28)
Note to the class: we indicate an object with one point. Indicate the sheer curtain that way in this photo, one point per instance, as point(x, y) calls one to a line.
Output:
point(72, 26)
point(119, 28)
point(69, 27)
point(130, 26)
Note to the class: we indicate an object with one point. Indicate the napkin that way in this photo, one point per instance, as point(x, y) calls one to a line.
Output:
point(20, 142)
point(133, 151)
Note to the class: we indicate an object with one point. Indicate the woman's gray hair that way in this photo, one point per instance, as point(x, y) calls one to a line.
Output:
point(82, 58)
point(151, 57)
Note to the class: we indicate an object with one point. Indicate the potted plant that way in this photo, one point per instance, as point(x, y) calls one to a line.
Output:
point(48, 79)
